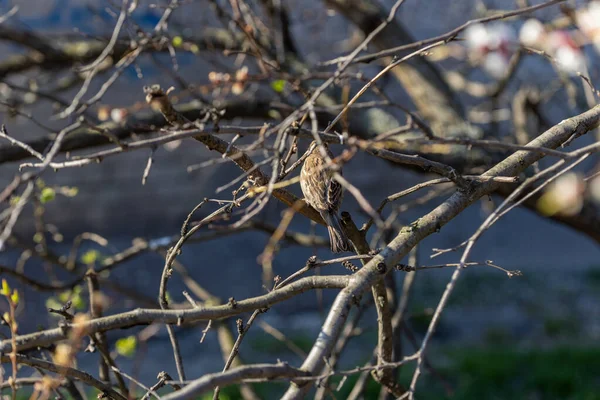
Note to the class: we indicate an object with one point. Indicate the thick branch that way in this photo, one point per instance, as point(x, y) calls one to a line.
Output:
point(432, 222)
point(142, 316)
point(236, 375)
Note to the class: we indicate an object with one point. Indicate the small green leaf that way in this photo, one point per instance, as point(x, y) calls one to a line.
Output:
point(90, 257)
point(177, 41)
point(14, 200)
point(63, 297)
point(274, 114)
point(38, 237)
point(126, 346)
point(5, 291)
point(78, 302)
point(52, 302)
point(278, 85)
point(47, 194)
point(74, 295)
point(15, 297)
point(71, 191)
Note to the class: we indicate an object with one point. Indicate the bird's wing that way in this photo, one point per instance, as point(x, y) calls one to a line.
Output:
point(334, 194)
point(315, 183)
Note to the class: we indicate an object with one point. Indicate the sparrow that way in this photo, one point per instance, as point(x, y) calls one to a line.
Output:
point(324, 194)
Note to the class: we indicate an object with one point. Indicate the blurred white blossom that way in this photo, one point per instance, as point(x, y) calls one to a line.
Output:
point(495, 64)
point(493, 45)
point(118, 115)
point(558, 44)
point(588, 20)
point(532, 33)
point(566, 52)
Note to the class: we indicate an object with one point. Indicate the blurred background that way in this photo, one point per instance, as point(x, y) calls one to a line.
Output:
point(533, 336)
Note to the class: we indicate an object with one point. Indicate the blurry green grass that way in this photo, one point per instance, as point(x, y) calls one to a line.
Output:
point(504, 373)
point(559, 373)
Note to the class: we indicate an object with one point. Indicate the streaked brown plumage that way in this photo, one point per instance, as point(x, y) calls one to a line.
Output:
point(324, 194)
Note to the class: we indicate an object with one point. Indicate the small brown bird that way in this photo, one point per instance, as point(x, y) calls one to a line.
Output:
point(324, 194)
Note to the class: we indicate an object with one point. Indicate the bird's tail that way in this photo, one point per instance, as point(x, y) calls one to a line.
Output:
point(337, 238)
